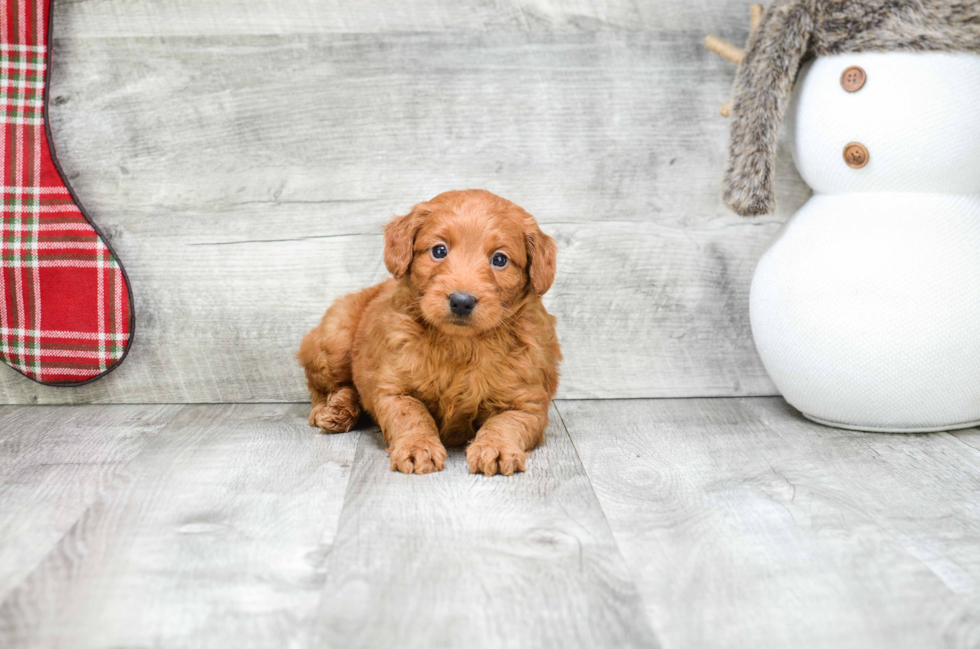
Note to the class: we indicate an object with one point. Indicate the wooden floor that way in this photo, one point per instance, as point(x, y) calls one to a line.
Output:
point(670, 523)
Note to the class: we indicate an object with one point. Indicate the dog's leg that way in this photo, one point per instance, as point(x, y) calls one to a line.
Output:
point(334, 400)
point(411, 434)
point(325, 355)
point(502, 443)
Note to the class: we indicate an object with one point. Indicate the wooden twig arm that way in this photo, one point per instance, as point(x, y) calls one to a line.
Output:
point(755, 16)
point(724, 49)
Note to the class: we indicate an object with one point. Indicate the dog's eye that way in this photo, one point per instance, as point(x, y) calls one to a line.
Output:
point(439, 251)
point(499, 260)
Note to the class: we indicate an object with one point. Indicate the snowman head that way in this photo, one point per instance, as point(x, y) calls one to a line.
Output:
point(791, 32)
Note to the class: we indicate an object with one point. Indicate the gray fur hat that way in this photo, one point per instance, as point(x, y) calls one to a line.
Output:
point(794, 31)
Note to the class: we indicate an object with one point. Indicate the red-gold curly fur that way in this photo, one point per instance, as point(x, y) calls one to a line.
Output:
point(430, 377)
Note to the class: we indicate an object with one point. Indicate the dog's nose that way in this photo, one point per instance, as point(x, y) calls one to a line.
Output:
point(462, 303)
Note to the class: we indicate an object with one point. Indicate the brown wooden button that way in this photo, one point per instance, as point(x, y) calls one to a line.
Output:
point(856, 155)
point(853, 79)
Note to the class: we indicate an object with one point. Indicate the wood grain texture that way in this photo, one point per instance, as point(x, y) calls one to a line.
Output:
point(244, 179)
point(54, 463)
point(746, 525)
point(970, 437)
point(102, 18)
point(457, 560)
point(215, 535)
point(694, 522)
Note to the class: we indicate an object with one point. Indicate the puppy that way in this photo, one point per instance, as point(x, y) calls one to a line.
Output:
point(456, 348)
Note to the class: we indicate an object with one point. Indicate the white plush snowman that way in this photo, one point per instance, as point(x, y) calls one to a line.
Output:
point(866, 307)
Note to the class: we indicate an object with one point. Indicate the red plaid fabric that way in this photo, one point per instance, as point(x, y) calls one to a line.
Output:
point(65, 308)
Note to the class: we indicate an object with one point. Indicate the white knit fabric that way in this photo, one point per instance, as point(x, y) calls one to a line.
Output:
point(866, 307)
point(917, 114)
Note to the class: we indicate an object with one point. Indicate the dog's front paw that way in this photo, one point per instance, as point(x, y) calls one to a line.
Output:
point(418, 455)
point(492, 455)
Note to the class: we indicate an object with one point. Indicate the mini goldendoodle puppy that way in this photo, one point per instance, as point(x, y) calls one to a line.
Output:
point(457, 347)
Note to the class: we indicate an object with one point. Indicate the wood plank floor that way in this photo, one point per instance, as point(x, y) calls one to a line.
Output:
point(643, 523)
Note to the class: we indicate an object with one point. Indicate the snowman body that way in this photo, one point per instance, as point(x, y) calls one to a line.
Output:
point(865, 309)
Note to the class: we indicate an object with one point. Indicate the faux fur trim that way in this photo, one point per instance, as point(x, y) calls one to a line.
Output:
point(793, 31)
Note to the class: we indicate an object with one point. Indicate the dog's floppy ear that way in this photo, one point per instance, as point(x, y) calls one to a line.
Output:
point(400, 239)
point(542, 256)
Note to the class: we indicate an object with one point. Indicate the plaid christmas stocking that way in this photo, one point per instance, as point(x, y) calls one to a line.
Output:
point(66, 314)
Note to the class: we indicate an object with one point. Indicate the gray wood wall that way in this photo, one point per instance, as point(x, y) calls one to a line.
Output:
point(242, 156)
